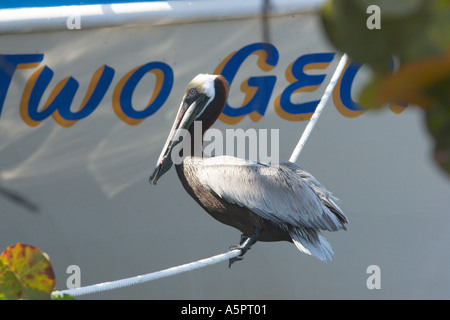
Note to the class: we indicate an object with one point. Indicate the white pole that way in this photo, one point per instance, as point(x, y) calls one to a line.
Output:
point(320, 106)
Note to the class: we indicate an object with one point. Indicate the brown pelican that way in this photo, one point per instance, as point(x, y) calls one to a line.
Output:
point(278, 202)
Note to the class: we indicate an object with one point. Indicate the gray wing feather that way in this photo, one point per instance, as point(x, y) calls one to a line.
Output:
point(311, 242)
point(284, 193)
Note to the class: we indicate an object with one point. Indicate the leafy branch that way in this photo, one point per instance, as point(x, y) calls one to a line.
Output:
point(416, 33)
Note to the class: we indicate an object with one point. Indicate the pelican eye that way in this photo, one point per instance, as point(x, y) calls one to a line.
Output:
point(192, 92)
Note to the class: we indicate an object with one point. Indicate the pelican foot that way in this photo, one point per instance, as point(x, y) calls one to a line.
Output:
point(241, 246)
point(244, 245)
point(241, 243)
point(233, 260)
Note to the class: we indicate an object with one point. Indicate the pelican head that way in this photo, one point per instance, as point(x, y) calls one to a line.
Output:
point(203, 100)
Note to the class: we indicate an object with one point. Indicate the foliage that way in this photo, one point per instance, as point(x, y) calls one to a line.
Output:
point(26, 273)
point(59, 296)
point(416, 33)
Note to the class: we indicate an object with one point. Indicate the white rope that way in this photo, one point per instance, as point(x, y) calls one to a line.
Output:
point(105, 286)
point(320, 106)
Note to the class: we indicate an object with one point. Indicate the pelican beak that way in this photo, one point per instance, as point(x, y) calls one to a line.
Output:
point(186, 115)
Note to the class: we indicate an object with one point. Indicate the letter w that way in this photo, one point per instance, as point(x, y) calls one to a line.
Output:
point(60, 100)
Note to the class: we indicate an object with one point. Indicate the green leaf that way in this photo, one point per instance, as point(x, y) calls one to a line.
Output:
point(9, 284)
point(25, 273)
point(64, 296)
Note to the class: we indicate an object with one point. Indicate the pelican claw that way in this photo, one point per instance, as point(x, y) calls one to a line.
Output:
point(233, 260)
point(244, 245)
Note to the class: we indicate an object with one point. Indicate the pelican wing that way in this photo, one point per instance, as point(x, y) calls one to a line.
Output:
point(283, 193)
